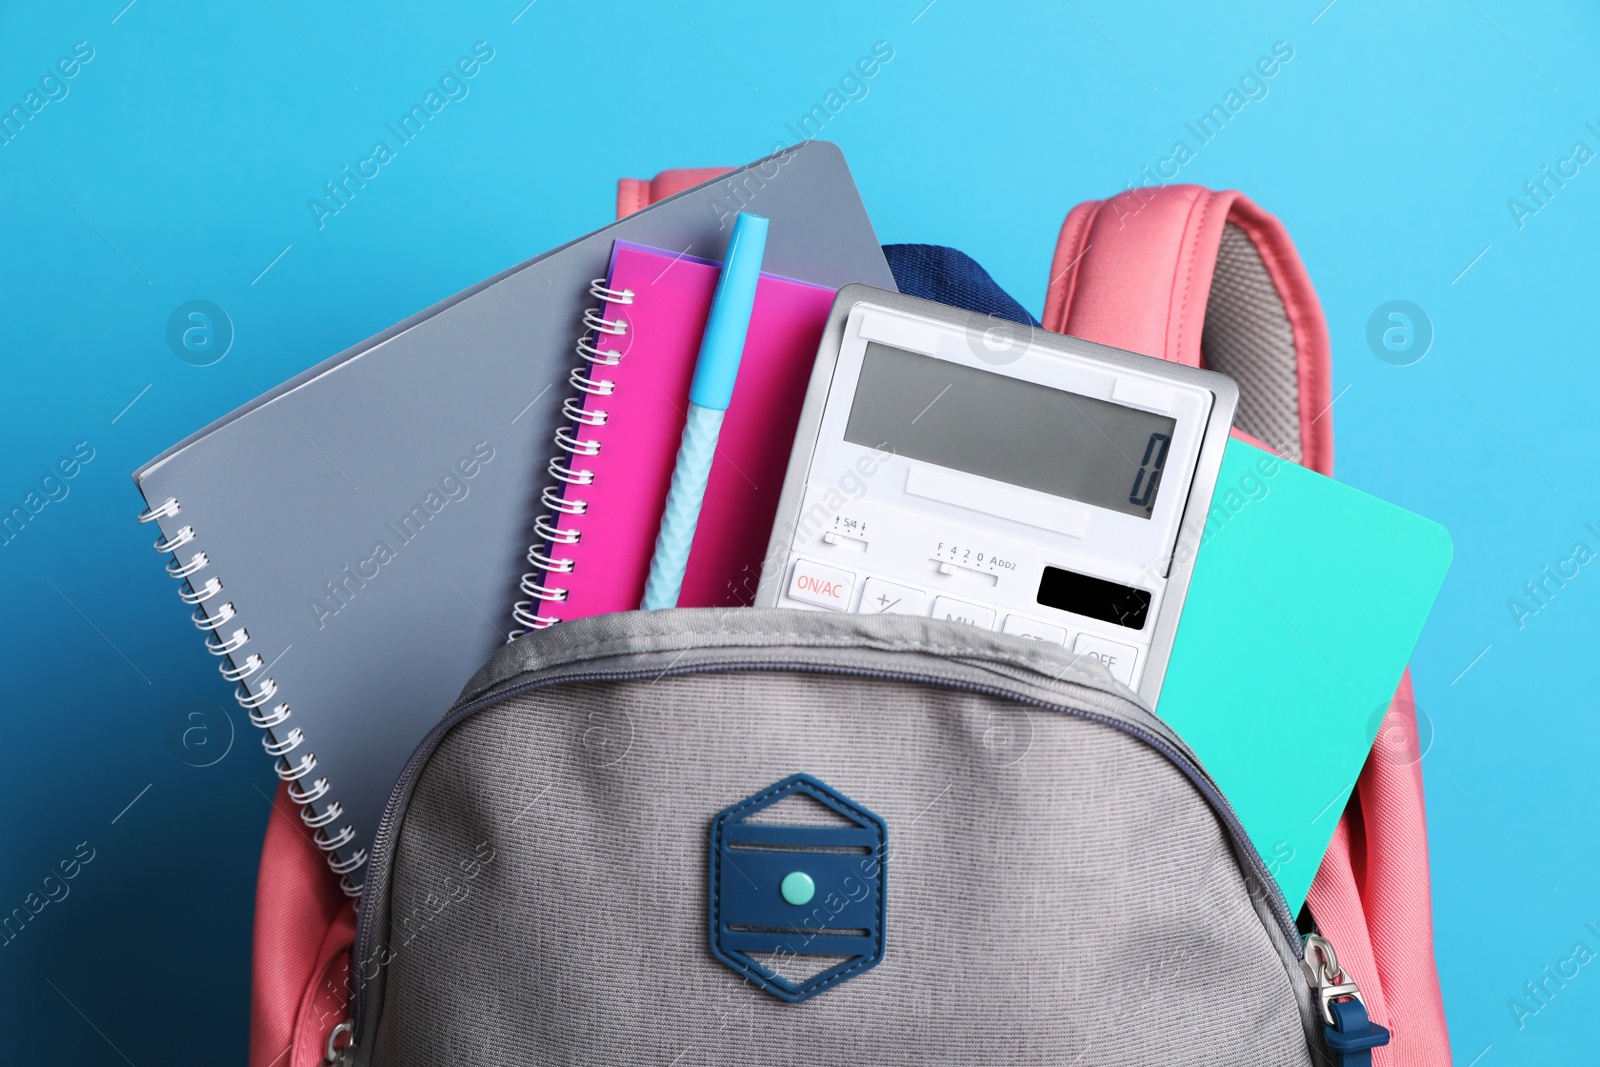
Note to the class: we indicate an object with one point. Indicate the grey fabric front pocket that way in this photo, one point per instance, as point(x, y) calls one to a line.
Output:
point(1062, 884)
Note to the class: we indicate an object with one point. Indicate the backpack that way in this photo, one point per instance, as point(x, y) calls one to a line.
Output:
point(1201, 277)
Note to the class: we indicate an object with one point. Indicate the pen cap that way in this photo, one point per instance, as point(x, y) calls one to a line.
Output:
point(723, 342)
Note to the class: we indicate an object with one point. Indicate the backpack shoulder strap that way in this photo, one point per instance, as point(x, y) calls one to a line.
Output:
point(1207, 278)
point(635, 194)
point(1203, 278)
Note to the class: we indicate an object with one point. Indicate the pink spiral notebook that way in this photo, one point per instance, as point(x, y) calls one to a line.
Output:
point(614, 461)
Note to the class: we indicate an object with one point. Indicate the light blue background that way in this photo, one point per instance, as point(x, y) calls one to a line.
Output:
point(179, 168)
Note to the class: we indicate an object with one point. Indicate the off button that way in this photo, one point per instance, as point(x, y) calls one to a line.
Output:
point(826, 587)
point(1113, 655)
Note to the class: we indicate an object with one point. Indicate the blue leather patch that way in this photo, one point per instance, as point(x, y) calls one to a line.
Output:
point(785, 893)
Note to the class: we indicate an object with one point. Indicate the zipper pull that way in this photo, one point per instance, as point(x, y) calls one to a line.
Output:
point(1347, 1031)
point(340, 1055)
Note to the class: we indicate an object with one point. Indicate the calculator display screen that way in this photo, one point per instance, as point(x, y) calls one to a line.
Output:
point(1010, 430)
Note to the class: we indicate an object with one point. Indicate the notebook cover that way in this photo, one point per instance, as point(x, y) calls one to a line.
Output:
point(1307, 599)
point(645, 416)
point(369, 518)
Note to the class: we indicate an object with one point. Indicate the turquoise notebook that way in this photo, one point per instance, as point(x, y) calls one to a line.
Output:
point(1307, 599)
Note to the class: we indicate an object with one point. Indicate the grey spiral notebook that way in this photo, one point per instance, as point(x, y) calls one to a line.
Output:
point(414, 461)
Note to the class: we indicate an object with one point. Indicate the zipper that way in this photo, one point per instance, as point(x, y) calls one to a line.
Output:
point(1160, 738)
point(340, 1053)
point(1320, 963)
point(1346, 1030)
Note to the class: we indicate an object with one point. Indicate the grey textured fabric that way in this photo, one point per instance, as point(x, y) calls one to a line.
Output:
point(1060, 890)
point(1247, 336)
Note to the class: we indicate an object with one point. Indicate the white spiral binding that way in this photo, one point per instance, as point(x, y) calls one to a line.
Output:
point(567, 474)
point(251, 664)
point(315, 821)
point(223, 648)
point(239, 669)
point(309, 794)
point(201, 593)
point(551, 498)
point(587, 379)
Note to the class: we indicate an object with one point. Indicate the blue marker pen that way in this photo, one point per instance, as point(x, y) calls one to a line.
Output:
point(715, 369)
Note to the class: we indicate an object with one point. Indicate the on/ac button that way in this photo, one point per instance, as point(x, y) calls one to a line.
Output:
point(826, 587)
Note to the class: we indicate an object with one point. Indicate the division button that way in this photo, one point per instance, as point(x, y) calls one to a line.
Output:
point(826, 587)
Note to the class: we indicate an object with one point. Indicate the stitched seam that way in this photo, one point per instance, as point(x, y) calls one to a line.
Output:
point(1069, 283)
point(803, 640)
point(1172, 294)
point(1181, 300)
point(1273, 265)
point(1309, 391)
point(1259, 237)
point(633, 193)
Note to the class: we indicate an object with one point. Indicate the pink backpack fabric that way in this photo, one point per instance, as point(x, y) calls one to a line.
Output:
point(304, 928)
point(1181, 272)
point(1207, 278)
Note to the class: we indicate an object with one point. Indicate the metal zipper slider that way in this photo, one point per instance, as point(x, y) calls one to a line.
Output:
point(339, 1055)
point(1328, 980)
point(1347, 1031)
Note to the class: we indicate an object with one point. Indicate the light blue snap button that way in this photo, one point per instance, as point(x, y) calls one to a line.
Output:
point(797, 888)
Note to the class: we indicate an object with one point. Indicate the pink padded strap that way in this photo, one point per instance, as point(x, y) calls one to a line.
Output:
point(634, 194)
point(1145, 290)
point(298, 906)
point(1373, 896)
point(326, 1002)
point(1135, 272)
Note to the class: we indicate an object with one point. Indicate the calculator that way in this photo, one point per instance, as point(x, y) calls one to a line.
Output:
point(959, 466)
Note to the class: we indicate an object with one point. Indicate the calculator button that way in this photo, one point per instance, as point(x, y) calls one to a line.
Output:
point(946, 607)
point(1116, 657)
point(1022, 626)
point(879, 597)
point(826, 587)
